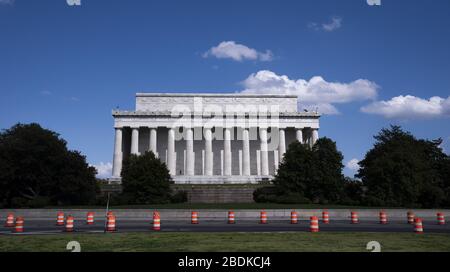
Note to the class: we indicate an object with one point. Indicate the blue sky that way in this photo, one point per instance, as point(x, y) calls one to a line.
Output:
point(66, 67)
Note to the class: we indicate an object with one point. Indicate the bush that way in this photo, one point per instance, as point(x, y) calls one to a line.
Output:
point(179, 197)
point(19, 202)
point(311, 173)
point(271, 194)
point(350, 202)
point(264, 194)
point(145, 180)
point(373, 201)
point(353, 192)
point(292, 198)
point(38, 202)
point(115, 199)
point(431, 196)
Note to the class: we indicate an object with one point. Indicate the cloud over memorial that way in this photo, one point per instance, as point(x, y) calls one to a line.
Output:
point(313, 93)
point(237, 52)
point(353, 164)
point(410, 107)
point(104, 170)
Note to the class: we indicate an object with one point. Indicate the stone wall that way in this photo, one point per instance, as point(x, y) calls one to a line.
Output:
point(217, 194)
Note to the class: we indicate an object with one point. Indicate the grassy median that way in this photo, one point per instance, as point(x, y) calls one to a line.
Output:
point(210, 242)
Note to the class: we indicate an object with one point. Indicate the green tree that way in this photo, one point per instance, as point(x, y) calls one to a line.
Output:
point(328, 179)
point(444, 173)
point(37, 169)
point(353, 192)
point(145, 180)
point(401, 170)
point(312, 173)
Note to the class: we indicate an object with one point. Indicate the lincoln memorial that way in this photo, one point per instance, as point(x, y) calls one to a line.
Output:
point(213, 138)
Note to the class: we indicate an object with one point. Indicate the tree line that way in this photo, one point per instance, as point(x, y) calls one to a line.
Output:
point(399, 171)
point(37, 169)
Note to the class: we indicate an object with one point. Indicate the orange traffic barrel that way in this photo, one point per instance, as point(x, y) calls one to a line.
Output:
point(410, 216)
point(19, 224)
point(194, 218)
point(354, 217)
point(111, 223)
point(383, 217)
point(294, 217)
point(60, 219)
point(156, 221)
point(9, 220)
point(263, 217)
point(90, 218)
point(325, 217)
point(440, 218)
point(69, 223)
point(314, 224)
point(231, 217)
point(418, 226)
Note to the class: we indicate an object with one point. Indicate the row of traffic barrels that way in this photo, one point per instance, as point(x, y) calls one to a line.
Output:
point(314, 220)
point(17, 223)
point(110, 226)
point(354, 218)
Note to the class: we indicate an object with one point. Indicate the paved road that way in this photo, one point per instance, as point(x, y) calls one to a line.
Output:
point(47, 227)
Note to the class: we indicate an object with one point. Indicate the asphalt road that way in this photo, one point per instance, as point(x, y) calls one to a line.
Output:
point(49, 227)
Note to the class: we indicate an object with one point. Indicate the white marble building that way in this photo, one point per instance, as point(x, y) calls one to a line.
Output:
point(213, 138)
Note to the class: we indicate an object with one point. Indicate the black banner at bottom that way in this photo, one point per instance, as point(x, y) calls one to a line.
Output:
point(255, 261)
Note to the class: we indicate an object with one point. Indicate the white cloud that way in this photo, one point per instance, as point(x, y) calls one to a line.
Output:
point(334, 24)
point(313, 93)
point(237, 52)
point(324, 108)
point(353, 164)
point(45, 93)
point(104, 170)
point(410, 107)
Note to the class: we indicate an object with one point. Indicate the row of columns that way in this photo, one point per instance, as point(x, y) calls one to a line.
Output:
point(171, 157)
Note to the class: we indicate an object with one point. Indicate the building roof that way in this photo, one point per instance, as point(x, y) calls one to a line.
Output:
point(118, 113)
point(191, 94)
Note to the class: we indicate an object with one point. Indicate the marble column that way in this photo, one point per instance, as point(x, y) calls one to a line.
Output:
point(135, 141)
point(276, 158)
point(299, 135)
point(189, 152)
point(264, 153)
point(245, 153)
point(227, 152)
point(171, 160)
point(153, 140)
point(282, 145)
point(117, 162)
point(208, 152)
point(314, 136)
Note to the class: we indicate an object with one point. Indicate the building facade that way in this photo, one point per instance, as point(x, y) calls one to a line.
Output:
point(213, 138)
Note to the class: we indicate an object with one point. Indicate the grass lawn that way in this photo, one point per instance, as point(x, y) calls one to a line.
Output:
point(210, 242)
